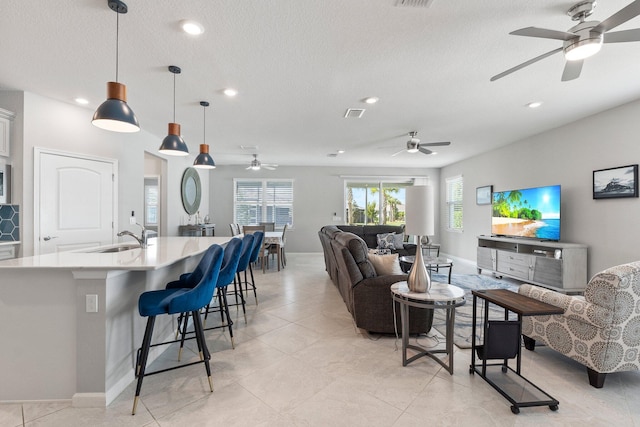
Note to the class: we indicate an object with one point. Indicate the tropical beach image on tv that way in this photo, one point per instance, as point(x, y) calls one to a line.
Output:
point(529, 212)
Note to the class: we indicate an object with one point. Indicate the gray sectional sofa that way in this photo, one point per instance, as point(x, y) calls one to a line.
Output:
point(366, 294)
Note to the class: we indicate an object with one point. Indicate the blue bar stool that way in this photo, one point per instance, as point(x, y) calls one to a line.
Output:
point(243, 264)
point(174, 301)
point(258, 251)
point(230, 260)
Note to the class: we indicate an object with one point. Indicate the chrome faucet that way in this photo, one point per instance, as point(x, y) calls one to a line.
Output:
point(142, 239)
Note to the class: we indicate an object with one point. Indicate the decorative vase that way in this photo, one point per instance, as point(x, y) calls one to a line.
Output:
point(419, 280)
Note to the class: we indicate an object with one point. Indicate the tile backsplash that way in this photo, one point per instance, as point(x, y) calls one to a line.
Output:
point(9, 223)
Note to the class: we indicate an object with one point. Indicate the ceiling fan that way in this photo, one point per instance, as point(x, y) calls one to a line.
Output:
point(256, 165)
point(414, 145)
point(582, 40)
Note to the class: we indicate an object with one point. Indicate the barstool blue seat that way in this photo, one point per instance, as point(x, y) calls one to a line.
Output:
point(243, 264)
point(258, 251)
point(230, 260)
point(174, 301)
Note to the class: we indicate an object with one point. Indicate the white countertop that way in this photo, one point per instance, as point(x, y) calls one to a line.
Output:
point(165, 251)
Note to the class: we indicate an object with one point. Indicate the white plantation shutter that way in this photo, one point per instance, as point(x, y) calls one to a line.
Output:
point(263, 200)
point(454, 203)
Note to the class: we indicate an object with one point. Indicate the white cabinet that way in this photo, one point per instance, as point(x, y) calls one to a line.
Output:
point(558, 266)
point(7, 252)
point(6, 121)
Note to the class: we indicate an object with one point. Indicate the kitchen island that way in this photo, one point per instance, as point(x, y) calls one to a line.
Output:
point(69, 321)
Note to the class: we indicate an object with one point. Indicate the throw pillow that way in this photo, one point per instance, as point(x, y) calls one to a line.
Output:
point(398, 241)
point(386, 240)
point(385, 264)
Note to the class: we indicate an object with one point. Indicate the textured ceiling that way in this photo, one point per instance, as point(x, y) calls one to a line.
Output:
point(299, 64)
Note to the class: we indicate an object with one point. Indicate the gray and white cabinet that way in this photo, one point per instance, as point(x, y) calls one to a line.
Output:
point(554, 265)
point(6, 122)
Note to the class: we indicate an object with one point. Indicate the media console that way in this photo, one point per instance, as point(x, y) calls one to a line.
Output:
point(554, 265)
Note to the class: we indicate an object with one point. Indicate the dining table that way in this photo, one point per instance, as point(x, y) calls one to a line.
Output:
point(275, 238)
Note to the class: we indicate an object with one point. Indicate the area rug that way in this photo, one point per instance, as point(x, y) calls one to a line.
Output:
point(463, 321)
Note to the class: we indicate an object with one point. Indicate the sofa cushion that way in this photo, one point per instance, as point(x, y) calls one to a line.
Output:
point(358, 251)
point(385, 264)
point(386, 240)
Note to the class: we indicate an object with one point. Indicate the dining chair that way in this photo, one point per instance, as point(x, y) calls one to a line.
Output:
point(269, 226)
point(273, 250)
point(235, 229)
point(175, 301)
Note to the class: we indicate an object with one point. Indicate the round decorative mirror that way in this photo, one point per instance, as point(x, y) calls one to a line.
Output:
point(191, 191)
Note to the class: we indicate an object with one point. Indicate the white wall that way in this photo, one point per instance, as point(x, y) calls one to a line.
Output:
point(43, 122)
point(567, 156)
point(318, 193)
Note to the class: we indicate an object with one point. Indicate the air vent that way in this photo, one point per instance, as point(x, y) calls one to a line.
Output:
point(332, 155)
point(354, 113)
point(252, 148)
point(413, 3)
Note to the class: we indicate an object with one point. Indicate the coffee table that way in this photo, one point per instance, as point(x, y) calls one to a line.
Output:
point(431, 262)
point(440, 296)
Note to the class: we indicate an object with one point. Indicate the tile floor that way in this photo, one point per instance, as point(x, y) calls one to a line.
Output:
point(300, 361)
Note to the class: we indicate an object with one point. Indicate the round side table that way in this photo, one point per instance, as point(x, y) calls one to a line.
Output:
point(440, 296)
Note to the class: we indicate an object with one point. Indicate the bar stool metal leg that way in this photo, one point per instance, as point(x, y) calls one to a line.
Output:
point(142, 360)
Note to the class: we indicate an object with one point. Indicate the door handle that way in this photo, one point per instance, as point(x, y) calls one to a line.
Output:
point(47, 238)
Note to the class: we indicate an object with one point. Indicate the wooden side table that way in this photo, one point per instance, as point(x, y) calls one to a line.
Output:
point(197, 230)
point(506, 345)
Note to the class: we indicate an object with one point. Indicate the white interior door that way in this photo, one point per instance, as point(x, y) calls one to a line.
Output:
point(76, 202)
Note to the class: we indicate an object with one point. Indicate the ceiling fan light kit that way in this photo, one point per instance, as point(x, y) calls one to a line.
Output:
point(115, 114)
point(173, 144)
point(414, 145)
point(583, 40)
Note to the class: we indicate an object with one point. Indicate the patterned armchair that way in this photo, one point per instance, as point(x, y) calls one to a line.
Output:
point(600, 330)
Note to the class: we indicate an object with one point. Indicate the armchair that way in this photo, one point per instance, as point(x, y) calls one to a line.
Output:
point(600, 330)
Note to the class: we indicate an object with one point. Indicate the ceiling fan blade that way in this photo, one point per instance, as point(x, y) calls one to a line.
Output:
point(424, 150)
point(401, 151)
point(622, 36)
point(620, 17)
point(543, 33)
point(435, 144)
point(572, 70)
point(525, 64)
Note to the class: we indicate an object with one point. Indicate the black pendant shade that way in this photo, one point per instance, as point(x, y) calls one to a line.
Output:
point(173, 144)
point(204, 160)
point(115, 114)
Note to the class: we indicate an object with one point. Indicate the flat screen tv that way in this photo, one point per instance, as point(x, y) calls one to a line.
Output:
point(529, 212)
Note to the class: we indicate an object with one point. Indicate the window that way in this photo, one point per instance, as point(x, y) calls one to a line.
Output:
point(262, 200)
point(375, 202)
point(454, 203)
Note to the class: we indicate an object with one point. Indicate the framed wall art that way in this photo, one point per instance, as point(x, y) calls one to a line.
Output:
point(612, 183)
point(483, 195)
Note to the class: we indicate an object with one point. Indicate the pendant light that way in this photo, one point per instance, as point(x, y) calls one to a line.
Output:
point(114, 114)
point(204, 160)
point(173, 144)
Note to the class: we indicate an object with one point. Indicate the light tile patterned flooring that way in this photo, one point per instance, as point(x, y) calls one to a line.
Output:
point(300, 361)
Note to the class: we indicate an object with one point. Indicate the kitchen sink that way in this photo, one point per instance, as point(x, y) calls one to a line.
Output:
point(115, 249)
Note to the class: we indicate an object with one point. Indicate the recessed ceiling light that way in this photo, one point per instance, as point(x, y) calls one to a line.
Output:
point(82, 101)
point(230, 92)
point(371, 100)
point(340, 151)
point(535, 104)
point(191, 27)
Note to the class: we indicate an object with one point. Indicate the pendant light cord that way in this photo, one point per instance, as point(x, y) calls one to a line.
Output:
point(204, 124)
point(174, 97)
point(117, 41)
